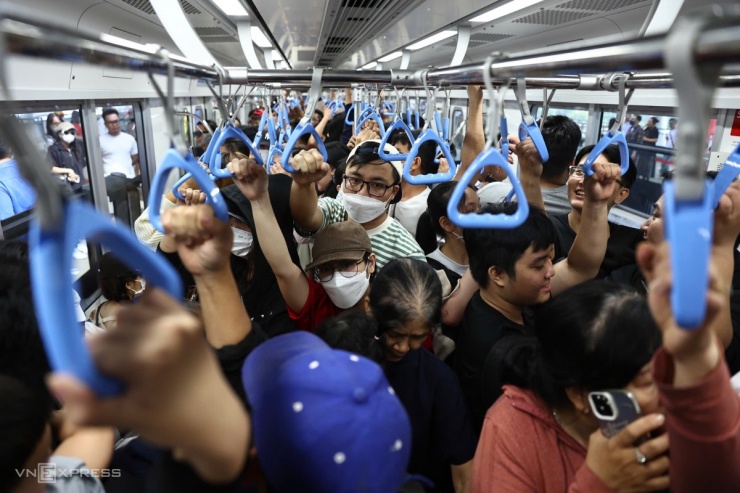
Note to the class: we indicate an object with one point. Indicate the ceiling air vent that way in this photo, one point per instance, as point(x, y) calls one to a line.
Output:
point(598, 5)
point(552, 17)
point(349, 24)
point(146, 7)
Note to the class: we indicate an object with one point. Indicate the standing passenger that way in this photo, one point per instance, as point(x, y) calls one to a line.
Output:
point(120, 162)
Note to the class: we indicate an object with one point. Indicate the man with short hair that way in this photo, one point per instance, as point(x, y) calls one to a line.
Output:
point(369, 185)
point(514, 269)
point(562, 137)
point(120, 162)
point(634, 136)
point(671, 138)
point(16, 195)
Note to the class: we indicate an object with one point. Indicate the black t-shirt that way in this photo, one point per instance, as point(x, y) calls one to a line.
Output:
point(441, 428)
point(620, 248)
point(481, 328)
point(650, 133)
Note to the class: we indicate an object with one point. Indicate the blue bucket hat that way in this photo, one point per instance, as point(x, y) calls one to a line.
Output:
point(325, 420)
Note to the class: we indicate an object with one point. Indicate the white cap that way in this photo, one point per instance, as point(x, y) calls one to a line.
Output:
point(388, 149)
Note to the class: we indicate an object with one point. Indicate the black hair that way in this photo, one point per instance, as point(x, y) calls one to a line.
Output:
point(611, 153)
point(638, 118)
point(437, 202)
point(4, 151)
point(502, 248)
point(334, 128)
point(367, 154)
point(75, 118)
point(427, 153)
point(594, 336)
point(336, 152)
point(339, 170)
point(23, 421)
point(404, 291)
point(353, 331)
point(654, 119)
point(399, 137)
point(320, 113)
point(113, 276)
point(50, 118)
point(562, 137)
point(110, 111)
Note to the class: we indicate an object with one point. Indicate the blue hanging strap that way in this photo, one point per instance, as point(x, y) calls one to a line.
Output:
point(528, 127)
point(614, 135)
point(396, 125)
point(489, 157)
point(174, 160)
point(260, 130)
point(275, 151)
point(504, 129)
point(305, 127)
point(51, 263)
point(729, 172)
point(429, 135)
point(231, 132)
point(689, 198)
point(372, 115)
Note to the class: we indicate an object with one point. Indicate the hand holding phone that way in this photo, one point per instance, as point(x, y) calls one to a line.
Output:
point(615, 409)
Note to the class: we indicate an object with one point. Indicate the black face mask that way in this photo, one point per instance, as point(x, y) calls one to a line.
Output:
point(197, 151)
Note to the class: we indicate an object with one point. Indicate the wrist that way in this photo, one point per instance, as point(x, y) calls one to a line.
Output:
point(691, 368)
point(213, 278)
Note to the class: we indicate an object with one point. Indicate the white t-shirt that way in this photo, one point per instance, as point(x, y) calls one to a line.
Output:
point(408, 212)
point(443, 259)
point(117, 152)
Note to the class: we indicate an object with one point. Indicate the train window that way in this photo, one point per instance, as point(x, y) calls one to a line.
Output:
point(120, 150)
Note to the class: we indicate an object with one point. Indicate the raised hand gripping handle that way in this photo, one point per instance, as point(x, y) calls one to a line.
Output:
point(274, 151)
point(689, 227)
point(491, 157)
point(335, 105)
point(398, 124)
point(230, 132)
point(51, 263)
point(373, 115)
point(533, 132)
point(301, 130)
point(426, 136)
point(174, 160)
point(601, 145)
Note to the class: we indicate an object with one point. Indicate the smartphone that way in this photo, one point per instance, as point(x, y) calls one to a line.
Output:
point(615, 409)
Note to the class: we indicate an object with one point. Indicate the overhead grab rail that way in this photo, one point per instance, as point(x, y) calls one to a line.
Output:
point(490, 156)
point(429, 135)
point(57, 226)
point(614, 135)
point(689, 197)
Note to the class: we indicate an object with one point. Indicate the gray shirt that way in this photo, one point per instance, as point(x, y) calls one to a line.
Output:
point(556, 199)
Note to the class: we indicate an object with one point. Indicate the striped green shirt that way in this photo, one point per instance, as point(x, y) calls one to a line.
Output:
point(389, 240)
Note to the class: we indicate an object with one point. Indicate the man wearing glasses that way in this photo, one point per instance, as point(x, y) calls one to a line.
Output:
point(120, 162)
point(370, 184)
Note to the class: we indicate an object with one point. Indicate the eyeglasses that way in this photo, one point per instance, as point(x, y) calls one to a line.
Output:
point(347, 268)
point(113, 122)
point(577, 171)
point(374, 189)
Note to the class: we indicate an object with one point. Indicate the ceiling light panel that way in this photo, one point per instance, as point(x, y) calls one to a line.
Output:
point(431, 40)
point(504, 10)
point(231, 7)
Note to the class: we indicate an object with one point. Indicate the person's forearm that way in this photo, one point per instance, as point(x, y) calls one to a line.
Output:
point(320, 130)
point(588, 250)
point(304, 206)
point(225, 319)
point(689, 371)
point(217, 450)
point(723, 263)
point(56, 170)
point(453, 308)
point(92, 445)
point(475, 139)
point(531, 186)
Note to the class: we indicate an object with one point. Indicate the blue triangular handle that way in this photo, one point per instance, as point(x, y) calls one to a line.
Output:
point(230, 132)
point(398, 124)
point(426, 136)
point(174, 160)
point(298, 132)
point(372, 115)
point(491, 157)
point(607, 140)
point(206, 157)
point(533, 132)
point(689, 227)
point(51, 263)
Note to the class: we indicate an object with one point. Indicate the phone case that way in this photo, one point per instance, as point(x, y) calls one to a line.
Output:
point(621, 410)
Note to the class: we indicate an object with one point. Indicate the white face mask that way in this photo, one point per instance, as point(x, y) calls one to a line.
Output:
point(345, 292)
point(54, 128)
point(362, 208)
point(68, 138)
point(243, 242)
point(340, 195)
point(142, 287)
